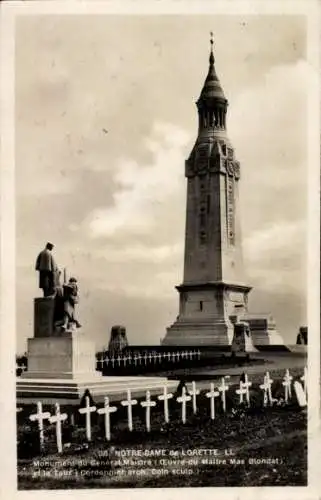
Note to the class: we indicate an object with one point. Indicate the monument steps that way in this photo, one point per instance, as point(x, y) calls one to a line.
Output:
point(73, 390)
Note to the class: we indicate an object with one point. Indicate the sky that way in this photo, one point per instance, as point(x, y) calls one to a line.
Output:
point(105, 118)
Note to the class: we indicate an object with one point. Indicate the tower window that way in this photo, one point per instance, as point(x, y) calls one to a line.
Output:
point(208, 203)
point(202, 219)
point(203, 237)
point(201, 305)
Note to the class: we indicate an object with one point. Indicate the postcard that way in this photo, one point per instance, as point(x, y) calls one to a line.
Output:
point(160, 248)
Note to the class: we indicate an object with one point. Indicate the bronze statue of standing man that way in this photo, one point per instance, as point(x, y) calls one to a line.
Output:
point(48, 271)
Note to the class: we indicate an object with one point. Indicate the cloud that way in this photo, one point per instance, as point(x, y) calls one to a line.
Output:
point(275, 238)
point(275, 256)
point(272, 148)
point(272, 144)
point(142, 188)
point(141, 253)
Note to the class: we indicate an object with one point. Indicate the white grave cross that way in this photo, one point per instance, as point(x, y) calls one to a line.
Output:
point(165, 397)
point(241, 391)
point(87, 411)
point(300, 394)
point(129, 402)
point(223, 388)
point(287, 381)
point(194, 393)
point(40, 416)
point(57, 419)
point(107, 410)
point(101, 362)
point(148, 403)
point(212, 395)
point(304, 379)
point(183, 400)
point(266, 386)
point(247, 384)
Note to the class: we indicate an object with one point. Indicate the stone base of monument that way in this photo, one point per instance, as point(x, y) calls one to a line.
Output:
point(61, 369)
point(219, 333)
point(207, 334)
point(186, 332)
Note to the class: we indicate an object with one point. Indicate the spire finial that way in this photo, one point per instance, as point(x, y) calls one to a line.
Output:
point(212, 43)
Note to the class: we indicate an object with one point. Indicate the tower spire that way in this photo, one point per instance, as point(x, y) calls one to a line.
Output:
point(212, 88)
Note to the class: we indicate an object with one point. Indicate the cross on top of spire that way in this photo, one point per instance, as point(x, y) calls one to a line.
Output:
point(212, 43)
point(212, 89)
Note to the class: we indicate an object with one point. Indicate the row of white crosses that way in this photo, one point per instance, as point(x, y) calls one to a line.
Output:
point(152, 357)
point(220, 391)
point(57, 419)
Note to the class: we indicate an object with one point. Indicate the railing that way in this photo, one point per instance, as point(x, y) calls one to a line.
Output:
point(135, 362)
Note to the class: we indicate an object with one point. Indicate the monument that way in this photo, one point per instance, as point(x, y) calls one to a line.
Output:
point(118, 340)
point(214, 288)
point(61, 357)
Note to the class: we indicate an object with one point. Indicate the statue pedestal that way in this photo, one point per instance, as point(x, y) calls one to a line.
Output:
point(44, 313)
point(70, 356)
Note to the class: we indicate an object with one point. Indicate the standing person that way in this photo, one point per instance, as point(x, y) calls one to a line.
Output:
point(48, 271)
point(242, 340)
point(238, 343)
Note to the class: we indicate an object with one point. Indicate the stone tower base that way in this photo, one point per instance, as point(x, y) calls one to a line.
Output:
point(206, 311)
point(189, 333)
point(220, 333)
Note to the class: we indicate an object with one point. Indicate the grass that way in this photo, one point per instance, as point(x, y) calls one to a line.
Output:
point(277, 433)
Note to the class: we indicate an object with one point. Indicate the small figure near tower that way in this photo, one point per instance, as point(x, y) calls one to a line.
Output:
point(242, 341)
